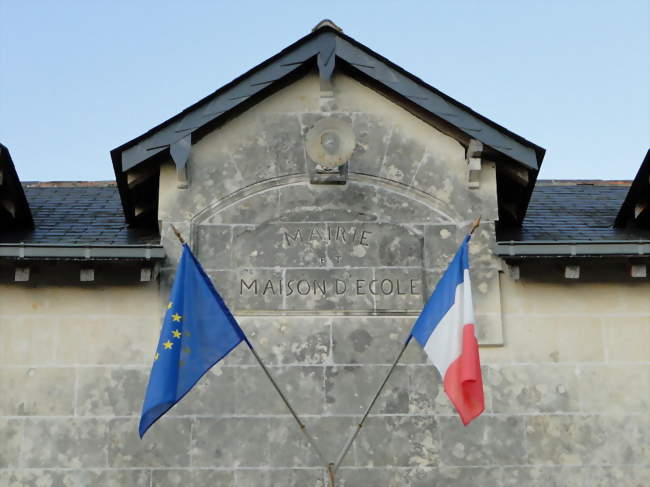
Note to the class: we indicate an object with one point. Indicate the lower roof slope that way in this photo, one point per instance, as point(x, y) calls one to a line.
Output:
point(573, 211)
point(83, 213)
point(565, 218)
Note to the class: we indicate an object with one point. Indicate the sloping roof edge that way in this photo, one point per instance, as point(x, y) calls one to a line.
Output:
point(635, 209)
point(322, 47)
point(14, 208)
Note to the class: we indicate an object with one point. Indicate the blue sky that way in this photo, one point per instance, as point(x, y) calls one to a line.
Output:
point(79, 78)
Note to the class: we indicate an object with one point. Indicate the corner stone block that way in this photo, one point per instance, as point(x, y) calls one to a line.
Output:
point(399, 290)
point(280, 244)
point(426, 392)
point(534, 389)
point(632, 432)
point(213, 395)
point(166, 443)
point(489, 330)
point(329, 433)
point(281, 340)
point(251, 156)
point(339, 290)
point(303, 387)
point(185, 478)
point(587, 440)
point(37, 391)
point(392, 206)
point(620, 476)
point(373, 340)
point(213, 174)
point(399, 441)
point(488, 440)
point(11, 437)
point(168, 239)
point(65, 442)
point(456, 476)
point(553, 476)
point(285, 478)
point(627, 338)
point(348, 389)
point(285, 143)
point(556, 339)
point(256, 289)
point(252, 210)
point(428, 397)
point(361, 477)
point(482, 245)
point(31, 339)
point(403, 156)
point(75, 478)
point(373, 137)
point(110, 391)
point(316, 202)
point(249, 442)
point(444, 179)
point(213, 246)
point(615, 388)
point(114, 339)
point(440, 244)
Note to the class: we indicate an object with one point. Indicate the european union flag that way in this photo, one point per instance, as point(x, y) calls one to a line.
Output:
point(197, 332)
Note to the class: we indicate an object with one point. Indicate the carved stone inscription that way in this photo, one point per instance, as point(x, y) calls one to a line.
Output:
point(322, 266)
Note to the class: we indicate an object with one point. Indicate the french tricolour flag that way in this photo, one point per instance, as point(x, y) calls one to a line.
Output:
point(445, 329)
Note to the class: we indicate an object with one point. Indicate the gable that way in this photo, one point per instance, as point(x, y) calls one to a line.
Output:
point(329, 52)
point(278, 236)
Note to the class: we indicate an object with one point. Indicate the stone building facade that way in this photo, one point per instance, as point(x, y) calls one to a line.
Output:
point(325, 192)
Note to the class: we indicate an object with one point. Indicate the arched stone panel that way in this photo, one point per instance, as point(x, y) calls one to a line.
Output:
point(260, 227)
point(368, 247)
point(302, 248)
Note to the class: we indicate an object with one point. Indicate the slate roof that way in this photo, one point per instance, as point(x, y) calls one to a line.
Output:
point(574, 211)
point(78, 213)
point(90, 213)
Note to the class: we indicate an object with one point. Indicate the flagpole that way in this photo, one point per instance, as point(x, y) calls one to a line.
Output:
point(347, 446)
point(303, 428)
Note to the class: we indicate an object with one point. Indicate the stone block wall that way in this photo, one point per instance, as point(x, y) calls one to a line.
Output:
point(567, 397)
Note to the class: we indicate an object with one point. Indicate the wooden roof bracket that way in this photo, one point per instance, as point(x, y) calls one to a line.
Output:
point(473, 158)
point(180, 152)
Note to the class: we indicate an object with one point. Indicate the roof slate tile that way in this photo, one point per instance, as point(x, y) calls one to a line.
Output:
point(573, 210)
point(74, 213)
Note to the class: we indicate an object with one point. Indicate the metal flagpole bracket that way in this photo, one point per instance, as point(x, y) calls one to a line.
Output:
point(178, 234)
point(475, 225)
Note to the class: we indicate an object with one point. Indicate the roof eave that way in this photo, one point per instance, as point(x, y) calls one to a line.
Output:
point(81, 252)
point(575, 248)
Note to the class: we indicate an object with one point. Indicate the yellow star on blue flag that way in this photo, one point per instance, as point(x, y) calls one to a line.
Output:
point(198, 330)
